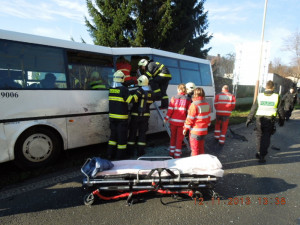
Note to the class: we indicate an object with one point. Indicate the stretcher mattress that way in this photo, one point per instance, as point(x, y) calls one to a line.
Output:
point(203, 164)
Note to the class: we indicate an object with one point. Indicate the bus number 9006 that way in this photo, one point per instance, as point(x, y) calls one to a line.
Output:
point(9, 94)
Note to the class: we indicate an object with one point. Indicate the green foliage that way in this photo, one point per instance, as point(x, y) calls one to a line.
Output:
point(171, 25)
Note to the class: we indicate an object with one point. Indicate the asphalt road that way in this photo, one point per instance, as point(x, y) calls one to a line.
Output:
point(252, 193)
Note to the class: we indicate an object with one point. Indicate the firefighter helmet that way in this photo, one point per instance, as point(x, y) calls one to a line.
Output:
point(143, 81)
point(119, 76)
point(143, 62)
point(190, 87)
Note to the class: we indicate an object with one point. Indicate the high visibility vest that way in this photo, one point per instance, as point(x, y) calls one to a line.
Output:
point(178, 109)
point(267, 105)
point(198, 118)
point(224, 103)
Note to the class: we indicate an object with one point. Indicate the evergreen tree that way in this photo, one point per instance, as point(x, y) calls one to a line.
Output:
point(172, 25)
point(112, 23)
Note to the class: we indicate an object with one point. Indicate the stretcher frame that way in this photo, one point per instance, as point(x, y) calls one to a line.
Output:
point(130, 185)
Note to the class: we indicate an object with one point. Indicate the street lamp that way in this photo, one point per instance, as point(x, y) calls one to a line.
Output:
point(261, 51)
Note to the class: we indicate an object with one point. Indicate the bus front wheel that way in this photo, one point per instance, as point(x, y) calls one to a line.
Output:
point(37, 147)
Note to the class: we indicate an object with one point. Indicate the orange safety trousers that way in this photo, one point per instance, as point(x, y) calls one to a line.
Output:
point(176, 141)
point(221, 129)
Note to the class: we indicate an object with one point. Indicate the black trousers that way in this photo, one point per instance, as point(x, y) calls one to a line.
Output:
point(117, 144)
point(162, 83)
point(264, 126)
point(138, 125)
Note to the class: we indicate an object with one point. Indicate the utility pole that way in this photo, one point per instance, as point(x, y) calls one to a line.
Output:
point(261, 51)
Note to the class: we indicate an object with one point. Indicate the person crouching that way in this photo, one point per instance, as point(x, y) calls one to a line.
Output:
point(197, 121)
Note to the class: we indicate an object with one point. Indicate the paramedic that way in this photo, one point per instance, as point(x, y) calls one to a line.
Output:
point(159, 77)
point(224, 104)
point(267, 107)
point(190, 87)
point(118, 117)
point(142, 98)
point(197, 122)
point(176, 115)
point(123, 65)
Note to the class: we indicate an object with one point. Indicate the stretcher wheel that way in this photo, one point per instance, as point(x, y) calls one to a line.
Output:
point(89, 199)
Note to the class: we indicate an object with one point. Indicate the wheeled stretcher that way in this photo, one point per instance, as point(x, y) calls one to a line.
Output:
point(128, 178)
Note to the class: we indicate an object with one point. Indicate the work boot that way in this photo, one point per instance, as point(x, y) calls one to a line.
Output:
point(109, 154)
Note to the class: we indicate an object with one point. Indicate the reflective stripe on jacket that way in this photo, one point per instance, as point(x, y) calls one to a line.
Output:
point(267, 104)
point(198, 118)
point(118, 107)
point(97, 85)
point(156, 68)
point(224, 103)
point(177, 110)
point(142, 99)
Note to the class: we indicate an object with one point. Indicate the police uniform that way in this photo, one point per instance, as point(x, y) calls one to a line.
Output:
point(159, 77)
point(267, 107)
point(142, 98)
point(118, 117)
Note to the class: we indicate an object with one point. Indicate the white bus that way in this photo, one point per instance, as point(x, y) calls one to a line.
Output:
point(38, 121)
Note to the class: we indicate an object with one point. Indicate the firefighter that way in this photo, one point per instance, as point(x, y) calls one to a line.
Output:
point(176, 115)
point(142, 98)
point(96, 82)
point(118, 117)
point(159, 77)
point(190, 87)
point(267, 107)
point(197, 121)
point(224, 104)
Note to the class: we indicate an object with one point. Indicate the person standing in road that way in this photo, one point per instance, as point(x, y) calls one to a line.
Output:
point(176, 115)
point(266, 107)
point(197, 121)
point(118, 117)
point(289, 100)
point(159, 77)
point(224, 104)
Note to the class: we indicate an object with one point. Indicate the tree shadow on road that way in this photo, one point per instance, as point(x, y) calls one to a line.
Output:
point(241, 184)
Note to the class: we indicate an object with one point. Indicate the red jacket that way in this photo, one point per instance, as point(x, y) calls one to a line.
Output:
point(198, 118)
point(224, 103)
point(126, 69)
point(177, 110)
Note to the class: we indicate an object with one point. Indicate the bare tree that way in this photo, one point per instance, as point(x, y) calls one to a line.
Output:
point(292, 45)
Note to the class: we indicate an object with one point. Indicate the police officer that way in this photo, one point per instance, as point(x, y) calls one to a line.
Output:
point(142, 98)
point(267, 107)
point(159, 77)
point(118, 117)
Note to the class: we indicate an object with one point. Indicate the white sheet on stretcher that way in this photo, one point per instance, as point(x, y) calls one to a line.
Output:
point(204, 164)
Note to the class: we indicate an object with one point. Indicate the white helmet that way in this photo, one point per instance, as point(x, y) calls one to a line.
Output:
point(143, 80)
point(119, 76)
point(143, 62)
point(190, 87)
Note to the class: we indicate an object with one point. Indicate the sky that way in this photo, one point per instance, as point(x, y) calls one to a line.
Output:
point(231, 22)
